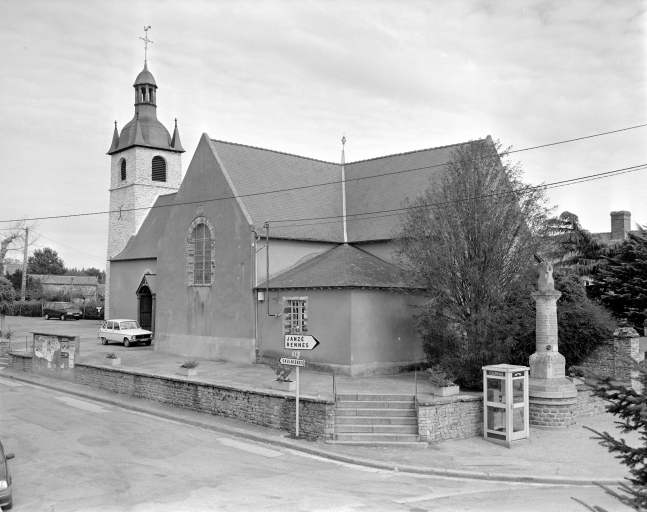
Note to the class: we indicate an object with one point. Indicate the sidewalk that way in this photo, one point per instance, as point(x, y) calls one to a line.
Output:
point(549, 456)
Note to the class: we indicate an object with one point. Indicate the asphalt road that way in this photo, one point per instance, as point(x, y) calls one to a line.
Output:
point(80, 455)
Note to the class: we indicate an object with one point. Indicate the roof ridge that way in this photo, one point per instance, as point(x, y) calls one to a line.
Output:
point(346, 163)
point(411, 152)
point(275, 151)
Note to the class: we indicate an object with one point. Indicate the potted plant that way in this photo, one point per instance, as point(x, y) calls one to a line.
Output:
point(188, 368)
point(113, 359)
point(442, 382)
point(283, 382)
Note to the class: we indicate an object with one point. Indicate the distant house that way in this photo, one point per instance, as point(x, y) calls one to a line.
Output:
point(74, 287)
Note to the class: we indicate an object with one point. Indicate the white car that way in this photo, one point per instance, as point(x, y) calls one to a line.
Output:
point(124, 331)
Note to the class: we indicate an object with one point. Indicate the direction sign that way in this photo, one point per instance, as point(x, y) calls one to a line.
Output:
point(300, 341)
point(292, 362)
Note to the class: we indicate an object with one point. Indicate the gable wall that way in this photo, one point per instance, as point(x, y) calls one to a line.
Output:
point(217, 321)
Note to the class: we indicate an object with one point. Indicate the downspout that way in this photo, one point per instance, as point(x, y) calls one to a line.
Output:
point(255, 239)
point(267, 276)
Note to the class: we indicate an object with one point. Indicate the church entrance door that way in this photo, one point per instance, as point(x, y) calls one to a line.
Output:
point(145, 308)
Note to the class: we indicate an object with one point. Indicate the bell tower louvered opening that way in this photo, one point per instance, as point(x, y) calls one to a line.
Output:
point(159, 169)
point(123, 169)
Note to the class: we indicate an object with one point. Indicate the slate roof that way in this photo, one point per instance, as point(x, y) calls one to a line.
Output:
point(144, 244)
point(344, 266)
point(255, 171)
point(312, 210)
point(66, 280)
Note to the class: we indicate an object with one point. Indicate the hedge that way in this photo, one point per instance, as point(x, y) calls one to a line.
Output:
point(35, 308)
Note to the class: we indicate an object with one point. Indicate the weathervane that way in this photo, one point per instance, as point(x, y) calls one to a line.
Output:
point(146, 41)
point(343, 139)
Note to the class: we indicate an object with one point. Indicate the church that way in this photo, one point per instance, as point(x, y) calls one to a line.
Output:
point(252, 244)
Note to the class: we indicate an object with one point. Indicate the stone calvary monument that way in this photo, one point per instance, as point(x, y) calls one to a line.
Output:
point(551, 395)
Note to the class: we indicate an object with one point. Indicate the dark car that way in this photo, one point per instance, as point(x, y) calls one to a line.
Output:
point(6, 499)
point(61, 311)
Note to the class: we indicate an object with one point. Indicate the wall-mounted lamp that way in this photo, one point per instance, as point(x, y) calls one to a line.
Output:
point(261, 295)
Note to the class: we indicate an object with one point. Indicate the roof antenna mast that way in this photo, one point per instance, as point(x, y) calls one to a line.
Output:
point(146, 41)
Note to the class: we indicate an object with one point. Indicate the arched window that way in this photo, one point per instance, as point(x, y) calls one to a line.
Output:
point(159, 169)
point(200, 257)
point(123, 169)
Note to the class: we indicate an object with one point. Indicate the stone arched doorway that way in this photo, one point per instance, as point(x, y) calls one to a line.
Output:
point(146, 302)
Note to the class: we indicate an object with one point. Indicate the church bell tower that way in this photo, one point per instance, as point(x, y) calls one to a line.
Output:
point(146, 162)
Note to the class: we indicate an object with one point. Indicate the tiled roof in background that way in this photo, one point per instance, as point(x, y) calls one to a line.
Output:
point(66, 280)
point(342, 266)
point(144, 244)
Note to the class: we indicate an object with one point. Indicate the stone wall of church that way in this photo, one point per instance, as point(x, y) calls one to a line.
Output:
point(131, 198)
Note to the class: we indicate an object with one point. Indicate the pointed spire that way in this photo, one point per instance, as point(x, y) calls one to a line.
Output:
point(175, 141)
point(115, 139)
point(139, 138)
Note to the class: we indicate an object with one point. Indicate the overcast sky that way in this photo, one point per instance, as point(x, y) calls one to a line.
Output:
point(293, 76)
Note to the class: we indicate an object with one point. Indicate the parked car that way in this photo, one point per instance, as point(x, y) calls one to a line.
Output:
point(61, 310)
point(6, 498)
point(126, 331)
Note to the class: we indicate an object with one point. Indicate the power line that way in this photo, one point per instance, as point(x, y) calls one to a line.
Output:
point(304, 187)
point(396, 211)
point(71, 248)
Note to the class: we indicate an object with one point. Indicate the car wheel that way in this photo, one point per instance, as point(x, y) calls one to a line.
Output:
point(104, 341)
point(62, 318)
point(46, 317)
point(9, 505)
point(77, 319)
point(148, 343)
point(126, 342)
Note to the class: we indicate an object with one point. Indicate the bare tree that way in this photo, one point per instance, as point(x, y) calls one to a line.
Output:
point(12, 240)
point(469, 239)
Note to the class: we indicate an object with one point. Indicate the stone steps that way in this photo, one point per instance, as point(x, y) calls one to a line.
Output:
point(376, 420)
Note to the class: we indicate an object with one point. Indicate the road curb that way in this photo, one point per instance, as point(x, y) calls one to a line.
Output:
point(311, 450)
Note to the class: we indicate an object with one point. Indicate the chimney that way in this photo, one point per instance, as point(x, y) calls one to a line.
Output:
point(620, 224)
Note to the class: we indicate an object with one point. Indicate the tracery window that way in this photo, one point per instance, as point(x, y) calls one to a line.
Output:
point(200, 253)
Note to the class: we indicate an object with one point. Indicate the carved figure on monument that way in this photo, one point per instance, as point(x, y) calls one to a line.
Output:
point(545, 281)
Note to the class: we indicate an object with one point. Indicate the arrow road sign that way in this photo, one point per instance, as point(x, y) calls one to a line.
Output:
point(300, 341)
point(293, 362)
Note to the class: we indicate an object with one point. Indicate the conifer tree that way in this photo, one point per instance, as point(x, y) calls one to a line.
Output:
point(631, 409)
point(621, 284)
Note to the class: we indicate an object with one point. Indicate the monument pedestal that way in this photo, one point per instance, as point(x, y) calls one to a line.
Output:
point(552, 397)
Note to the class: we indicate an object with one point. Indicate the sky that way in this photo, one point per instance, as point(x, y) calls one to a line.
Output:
point(293, 76)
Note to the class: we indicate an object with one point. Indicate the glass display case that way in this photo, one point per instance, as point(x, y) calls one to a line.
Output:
point(505, 403)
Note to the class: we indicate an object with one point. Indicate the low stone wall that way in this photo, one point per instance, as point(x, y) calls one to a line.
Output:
point(266, 408)
point(588, 404)
point(461, 417)
point(609, 358)
point(20, 362)
point(448, 418)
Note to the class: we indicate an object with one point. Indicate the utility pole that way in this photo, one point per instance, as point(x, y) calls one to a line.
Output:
point(23, 286)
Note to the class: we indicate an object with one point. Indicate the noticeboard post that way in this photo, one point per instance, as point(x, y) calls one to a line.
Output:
point(301, 342)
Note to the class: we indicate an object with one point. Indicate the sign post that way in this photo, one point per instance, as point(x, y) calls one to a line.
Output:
point(303, 342)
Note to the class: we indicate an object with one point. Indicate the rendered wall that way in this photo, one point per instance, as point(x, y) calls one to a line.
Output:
point(384, 336)
point(212, 321)
point(383, 250)
point(126, 277)
point(285, 254)
point(362, 332)
point(329, 320)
